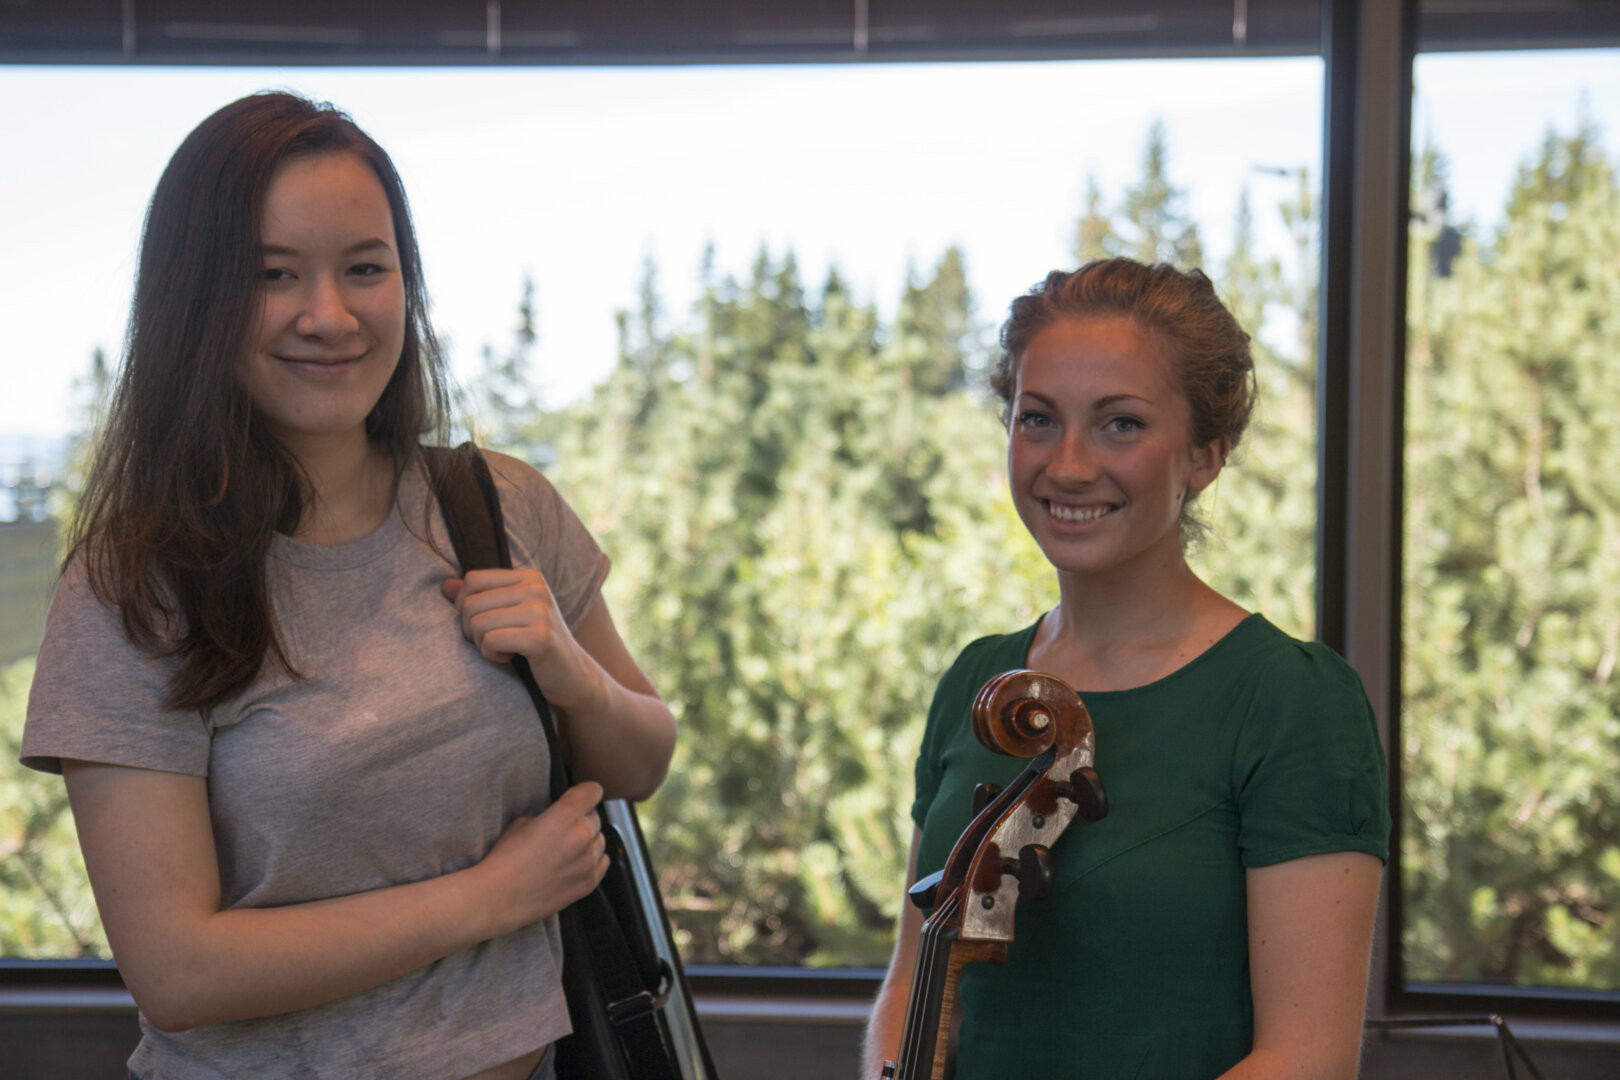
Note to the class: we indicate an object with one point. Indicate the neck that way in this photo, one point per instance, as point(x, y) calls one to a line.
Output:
point(352, 488)
point(1132, 603)
point(1127, 632)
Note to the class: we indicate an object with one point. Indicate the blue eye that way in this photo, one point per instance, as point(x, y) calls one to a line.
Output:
point(1031, 419)
point(1124, 424)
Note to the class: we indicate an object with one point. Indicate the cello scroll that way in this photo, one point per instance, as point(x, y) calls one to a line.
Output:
point(1034, 715)
point(1005, 852)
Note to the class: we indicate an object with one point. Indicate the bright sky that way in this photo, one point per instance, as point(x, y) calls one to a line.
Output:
point(576, 176)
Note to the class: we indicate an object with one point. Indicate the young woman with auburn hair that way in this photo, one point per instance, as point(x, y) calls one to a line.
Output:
point(1218, 921)
point(312, 798)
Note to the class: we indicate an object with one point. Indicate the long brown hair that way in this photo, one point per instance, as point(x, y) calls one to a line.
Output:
point(187, 487)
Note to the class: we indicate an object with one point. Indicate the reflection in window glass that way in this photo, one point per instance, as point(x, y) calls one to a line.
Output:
point(1511, 713)
point(742, 316)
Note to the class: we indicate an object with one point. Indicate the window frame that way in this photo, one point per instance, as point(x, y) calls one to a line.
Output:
point(1368, 47)
point(1375, 543)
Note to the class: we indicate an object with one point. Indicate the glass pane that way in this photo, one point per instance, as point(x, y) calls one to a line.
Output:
point(1511, 712)
point(753, 357)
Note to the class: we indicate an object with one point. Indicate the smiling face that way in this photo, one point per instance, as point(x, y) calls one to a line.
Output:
point(1100, 456)
point(331, 322)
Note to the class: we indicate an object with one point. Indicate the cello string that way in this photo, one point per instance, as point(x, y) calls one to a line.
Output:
point(914, 1054)
point(917, 1010)
point(915, 1007)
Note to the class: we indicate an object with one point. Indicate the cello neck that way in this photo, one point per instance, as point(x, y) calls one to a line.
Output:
point(931, 1009)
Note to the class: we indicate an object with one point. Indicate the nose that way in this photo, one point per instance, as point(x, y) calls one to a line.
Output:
point(1075, 463)
point(326, 315)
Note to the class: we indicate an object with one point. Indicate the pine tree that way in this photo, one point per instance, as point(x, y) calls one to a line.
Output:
point(1094, 236)
point(1260, 546)
point(1154, 228)
point(1512, 850)
point(502, 402)
point(795, 565)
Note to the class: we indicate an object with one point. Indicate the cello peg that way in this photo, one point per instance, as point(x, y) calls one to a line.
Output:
point(1034, 872)
point(925, 893)
point(983, 796)
point(1088, 794)
point(1084, 789)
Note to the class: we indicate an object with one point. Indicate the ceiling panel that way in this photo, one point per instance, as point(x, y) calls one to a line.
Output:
point(476, 32)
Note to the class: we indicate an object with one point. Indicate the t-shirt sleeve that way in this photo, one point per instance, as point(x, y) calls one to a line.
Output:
point(928, 772)
point(546, 533)
point(944, 713)
point(96, 697)
point(1309, 767)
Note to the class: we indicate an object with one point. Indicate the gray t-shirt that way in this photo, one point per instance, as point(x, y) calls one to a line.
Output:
point(401, 754)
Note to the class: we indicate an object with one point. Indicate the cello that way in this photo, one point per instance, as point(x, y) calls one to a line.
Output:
point(1004, 854)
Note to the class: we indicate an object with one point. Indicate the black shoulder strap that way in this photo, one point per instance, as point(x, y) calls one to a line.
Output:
point(471, 507)
point(612, 965)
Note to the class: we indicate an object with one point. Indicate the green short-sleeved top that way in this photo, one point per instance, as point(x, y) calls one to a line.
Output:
point(1261, 750)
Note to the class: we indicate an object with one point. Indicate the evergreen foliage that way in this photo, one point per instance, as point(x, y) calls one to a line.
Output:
point(807, 508)
point(1149, 224)
point(807, 515)
point(46, 908)
point(1512, 587)
point(1260, 548)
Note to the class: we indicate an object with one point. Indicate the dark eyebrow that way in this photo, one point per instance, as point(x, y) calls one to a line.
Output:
point(353, 249)
point(1114, 399)
point(1100, 404)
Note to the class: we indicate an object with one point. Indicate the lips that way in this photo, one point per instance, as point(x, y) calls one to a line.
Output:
point(321, 369)
point(319, 361)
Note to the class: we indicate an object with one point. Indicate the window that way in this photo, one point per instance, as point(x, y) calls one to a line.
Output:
point(782, 439)
point(1510, 823)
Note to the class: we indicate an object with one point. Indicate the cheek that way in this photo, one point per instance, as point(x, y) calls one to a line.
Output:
point(1020, 464)
point(391, 318)
point(269, 319)
point(1159, 468)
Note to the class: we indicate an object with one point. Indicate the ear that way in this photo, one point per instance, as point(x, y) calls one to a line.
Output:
point(1208, 461)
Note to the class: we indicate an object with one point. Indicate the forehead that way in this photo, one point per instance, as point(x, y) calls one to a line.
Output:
point(1101, 356)
point(321, 193)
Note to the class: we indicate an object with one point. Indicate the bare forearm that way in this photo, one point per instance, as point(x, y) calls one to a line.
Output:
point(619, 737)
point(1267, 1065)
point(243, 963)
point(1310, 936)
point(888, 1018)
point(149, 850)
point(883, 1029)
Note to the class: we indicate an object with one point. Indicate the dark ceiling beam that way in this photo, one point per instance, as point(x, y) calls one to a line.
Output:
point(568, 32)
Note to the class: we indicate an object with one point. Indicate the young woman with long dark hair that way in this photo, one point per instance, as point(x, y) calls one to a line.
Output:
point(312, 797)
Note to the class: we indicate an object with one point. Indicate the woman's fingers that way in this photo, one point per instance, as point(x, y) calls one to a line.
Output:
point(478, 582)
point(542, 864)
point(578, 844)
point(507, 612)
